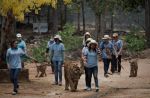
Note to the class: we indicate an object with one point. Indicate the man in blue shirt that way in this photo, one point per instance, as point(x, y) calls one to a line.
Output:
point(58, 58)
point(13, 58)
point(48, 50)
point(116, 57)
point(21, 44)
point(106, 47)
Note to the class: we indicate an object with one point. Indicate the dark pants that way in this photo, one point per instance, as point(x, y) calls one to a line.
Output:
point(86, 76)
point(58, 70)
point(119, 63)
point(113, 64)
point(14, 73)
point(106, 64)
point(116, 64)
point(52, 66)
point(90, 71)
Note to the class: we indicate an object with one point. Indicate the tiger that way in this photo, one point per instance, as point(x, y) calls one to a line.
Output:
point(72, 74)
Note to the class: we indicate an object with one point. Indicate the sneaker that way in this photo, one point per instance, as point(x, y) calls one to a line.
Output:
point(106, 75)
point(97, 89)
point(110, 73)
point(14, 93)
point(88, 89)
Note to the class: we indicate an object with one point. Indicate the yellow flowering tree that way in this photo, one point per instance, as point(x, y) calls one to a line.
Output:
point(14, 10)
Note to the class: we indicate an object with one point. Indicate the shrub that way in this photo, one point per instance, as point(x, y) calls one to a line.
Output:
point(135, 41)
point(71, 42)
point(38, 52)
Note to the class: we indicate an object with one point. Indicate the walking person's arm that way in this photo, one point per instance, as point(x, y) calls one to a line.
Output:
point(7, 59)
point(121, 47)
point(23, 53)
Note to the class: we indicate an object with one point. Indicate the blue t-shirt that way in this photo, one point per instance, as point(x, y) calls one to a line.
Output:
point(58, 52)
point(49, 44)
point(84, 50)
point(104, 47)
point(22, 45)
point(13, 57)
point(92, 58)
point(117, 44)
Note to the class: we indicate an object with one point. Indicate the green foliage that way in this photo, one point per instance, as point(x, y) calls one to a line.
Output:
point(71, 42)
point(129, 5)
point(135, 41)
point(38, 52)
point(98, 6)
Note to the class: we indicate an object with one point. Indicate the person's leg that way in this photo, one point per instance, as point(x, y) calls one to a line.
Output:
point(12, 75)
point(113, 64)
point(108, 63)
point(89, 76)
point(119, 63)
point(56, 71)
point(86, 77)
point(105, 66)
point(95, 75)
point(16, 74)
point(52, 66)
point(12, 72)
point(60, 72)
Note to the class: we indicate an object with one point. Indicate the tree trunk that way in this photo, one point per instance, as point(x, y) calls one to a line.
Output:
point(65, 16)
point(147, 21)
point(78, 20)
point(112, 23)
point(83, 15)
point(97, 26)
point(55, 21)
point(48, 18)
point(62, 14)
point(7, 34)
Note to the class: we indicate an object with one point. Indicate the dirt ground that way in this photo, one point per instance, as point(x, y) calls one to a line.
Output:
point(116, 86)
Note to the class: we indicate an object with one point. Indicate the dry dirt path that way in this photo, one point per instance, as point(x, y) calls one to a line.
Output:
point(116, 86)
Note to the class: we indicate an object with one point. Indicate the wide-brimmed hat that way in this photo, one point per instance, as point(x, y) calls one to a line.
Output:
point(89, 39)
point(87, 33)
point(58, 36)
point(18, 35)
point(115, 35)
point(106, 37)
point(92, 42)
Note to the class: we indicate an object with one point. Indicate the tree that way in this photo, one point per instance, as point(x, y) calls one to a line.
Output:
point(147, 21)
point(129, 5)
point(83, 14)
point(13, 10)
point(98, 6)
point(101, 7)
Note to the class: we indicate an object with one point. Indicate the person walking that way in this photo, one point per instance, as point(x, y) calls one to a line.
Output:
point(13, 59)
point(21, 44)
point(118, 46)
point(91, 64)
point(58, 58)
point(84, 49)
point(48, 52)
point(106, 47)
point(86, 36)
